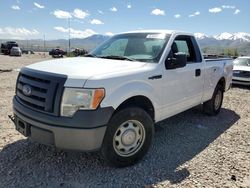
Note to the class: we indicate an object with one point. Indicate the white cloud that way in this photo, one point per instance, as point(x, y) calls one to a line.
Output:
point(158, 12)
point(78, 13)
point(177, 15)
point(129, 6)
point(228, 7)
point(17, 33)
point(39, 5)
point(61, 29)
point(96, 22)
point(76, 33)
point(62, 14)
point(100, 12)
point(197, 13)
point(237, 11)
point(15, 7)
point(113, 9)
point(109, 34)
point(215, 10)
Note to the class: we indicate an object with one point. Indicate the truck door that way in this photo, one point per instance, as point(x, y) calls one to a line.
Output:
point(183, 87)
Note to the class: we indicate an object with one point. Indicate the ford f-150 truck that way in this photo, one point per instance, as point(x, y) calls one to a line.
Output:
point(111, 99)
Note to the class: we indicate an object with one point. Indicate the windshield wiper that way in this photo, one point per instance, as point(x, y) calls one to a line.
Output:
point(116, 57)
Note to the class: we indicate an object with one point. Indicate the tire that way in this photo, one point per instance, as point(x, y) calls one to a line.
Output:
point(128, 137)
point(213, 106)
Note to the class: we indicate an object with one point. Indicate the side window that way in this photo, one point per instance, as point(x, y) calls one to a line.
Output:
point(186, 45)
point(182, 47)
point(117, 48)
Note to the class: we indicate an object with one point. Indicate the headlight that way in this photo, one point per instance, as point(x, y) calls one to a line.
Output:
point(80, 99)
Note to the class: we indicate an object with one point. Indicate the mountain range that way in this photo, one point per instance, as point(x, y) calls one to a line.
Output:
point(210, 44)
point(240, 36)
point(217, 43)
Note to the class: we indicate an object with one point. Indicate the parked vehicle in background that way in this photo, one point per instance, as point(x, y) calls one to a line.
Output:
point(79, 52)
point(15, 51)
point(241, 71)
point(57, 53)
point(111, 99)
point(2, 47)
point(7, 46)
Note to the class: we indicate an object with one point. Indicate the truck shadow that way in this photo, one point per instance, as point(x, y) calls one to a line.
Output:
point(177, 140)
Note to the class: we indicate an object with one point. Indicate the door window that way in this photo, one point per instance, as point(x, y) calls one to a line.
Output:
point(182, 47)
point(185, 44)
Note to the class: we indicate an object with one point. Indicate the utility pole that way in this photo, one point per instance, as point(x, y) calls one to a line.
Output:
point(69, 34)
point(44, 45)
point(27, 44)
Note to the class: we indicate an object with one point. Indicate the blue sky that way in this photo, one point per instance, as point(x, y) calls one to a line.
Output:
point(27, 19)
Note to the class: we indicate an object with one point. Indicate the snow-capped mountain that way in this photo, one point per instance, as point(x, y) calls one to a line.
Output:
point(215, 44)
point(240, 36)
point(200, 36)
point(224, 36)
point(244, 37)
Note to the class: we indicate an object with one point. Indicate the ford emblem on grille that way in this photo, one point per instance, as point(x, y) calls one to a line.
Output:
point(27, 90)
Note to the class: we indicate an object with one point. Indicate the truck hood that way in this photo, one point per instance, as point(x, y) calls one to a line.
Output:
point(241, 68)
point(85, 67)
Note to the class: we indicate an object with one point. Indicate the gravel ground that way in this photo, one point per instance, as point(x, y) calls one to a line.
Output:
point(189, 150)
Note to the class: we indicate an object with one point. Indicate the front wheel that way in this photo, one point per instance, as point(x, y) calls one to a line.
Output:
point(213, 106)
point(128, 137)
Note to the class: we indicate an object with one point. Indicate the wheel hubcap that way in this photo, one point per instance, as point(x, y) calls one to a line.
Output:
point(129, 138)
point(217, 101)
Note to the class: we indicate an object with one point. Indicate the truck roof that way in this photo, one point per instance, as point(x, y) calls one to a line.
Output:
point(160, 31)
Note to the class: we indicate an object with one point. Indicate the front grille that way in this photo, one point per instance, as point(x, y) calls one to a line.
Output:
point(243, 74)
point(46, 90)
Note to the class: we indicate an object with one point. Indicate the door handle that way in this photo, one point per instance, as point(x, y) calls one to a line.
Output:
point(155, 77)
point(197, 72)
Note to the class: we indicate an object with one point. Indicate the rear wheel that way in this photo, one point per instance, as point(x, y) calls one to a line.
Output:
point(213, 106)
point(128, 137)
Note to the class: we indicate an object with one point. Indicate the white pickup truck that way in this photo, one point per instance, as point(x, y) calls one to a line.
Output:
point(111, 99)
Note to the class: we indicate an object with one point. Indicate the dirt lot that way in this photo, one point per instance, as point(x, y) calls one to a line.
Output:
point(189, 150)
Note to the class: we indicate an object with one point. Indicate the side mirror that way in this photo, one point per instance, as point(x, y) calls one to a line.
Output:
point(177, 61)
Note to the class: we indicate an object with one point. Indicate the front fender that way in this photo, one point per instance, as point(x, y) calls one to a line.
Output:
point(117, 96)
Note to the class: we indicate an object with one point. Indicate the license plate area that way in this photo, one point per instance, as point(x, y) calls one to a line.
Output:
point(22, 127)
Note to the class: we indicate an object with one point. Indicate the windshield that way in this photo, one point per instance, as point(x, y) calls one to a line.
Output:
point(242, 61)
point(145, 47)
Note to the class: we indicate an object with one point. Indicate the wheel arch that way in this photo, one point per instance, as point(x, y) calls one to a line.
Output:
point(222, 83)
point(138, 101)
